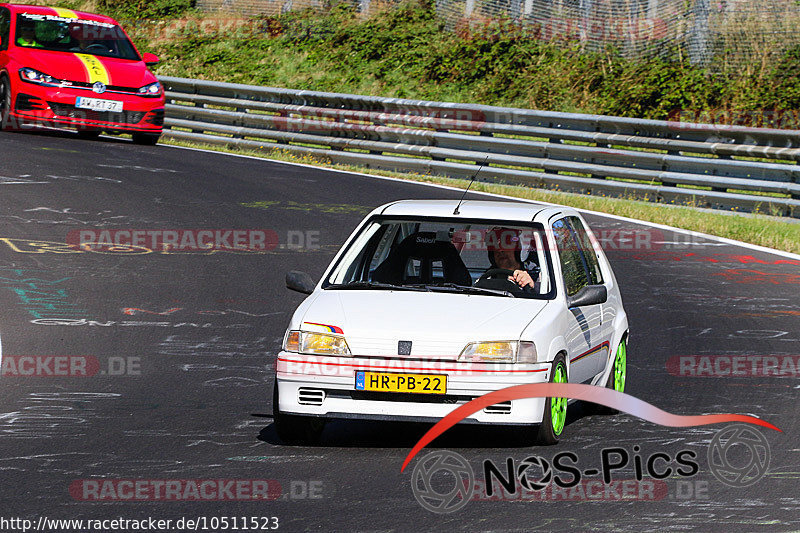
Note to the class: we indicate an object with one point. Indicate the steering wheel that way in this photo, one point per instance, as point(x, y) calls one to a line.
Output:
point(498, 272)
point(497, 278)
point(97, 46)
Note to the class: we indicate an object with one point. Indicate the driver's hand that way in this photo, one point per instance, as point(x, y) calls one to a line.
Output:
point(521, 278)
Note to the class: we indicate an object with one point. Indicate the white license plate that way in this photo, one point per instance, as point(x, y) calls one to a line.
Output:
point(96, 104)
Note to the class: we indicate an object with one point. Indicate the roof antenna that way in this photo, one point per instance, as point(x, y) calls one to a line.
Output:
point(455, 211)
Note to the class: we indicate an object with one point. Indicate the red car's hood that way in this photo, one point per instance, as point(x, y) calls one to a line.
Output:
point(68, 66)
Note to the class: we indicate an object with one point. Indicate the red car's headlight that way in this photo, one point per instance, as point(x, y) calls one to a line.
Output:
point(154, 89)
point(40, 78)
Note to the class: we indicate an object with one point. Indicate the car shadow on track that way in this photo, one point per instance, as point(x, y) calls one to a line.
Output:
point(378, 434)
point(41, 131)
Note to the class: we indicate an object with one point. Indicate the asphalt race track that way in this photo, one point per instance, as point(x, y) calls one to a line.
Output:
point(184, 346)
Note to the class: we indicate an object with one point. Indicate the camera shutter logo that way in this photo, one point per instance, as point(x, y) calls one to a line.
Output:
point(751, 447)
point(459, 484)
point(526, 480)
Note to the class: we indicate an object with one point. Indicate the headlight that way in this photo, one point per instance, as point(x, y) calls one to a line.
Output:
point(499, 352)
point(315, 343)
point(34, 76)
point(154, 89)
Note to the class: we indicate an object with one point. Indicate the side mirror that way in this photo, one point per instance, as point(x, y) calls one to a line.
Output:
point(589, 295)
point(299, 281)
point(150, 59)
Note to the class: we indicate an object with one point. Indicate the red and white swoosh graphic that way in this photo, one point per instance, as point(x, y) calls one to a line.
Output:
point(590, 393)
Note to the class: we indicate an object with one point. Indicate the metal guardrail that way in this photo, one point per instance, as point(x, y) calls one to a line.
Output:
point(723, 167)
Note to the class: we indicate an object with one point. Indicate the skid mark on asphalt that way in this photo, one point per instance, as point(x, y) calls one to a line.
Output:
point(45, 462)
point(53, 415)
point(234, 381)
point(19, 180)
point(311, 208)
point(275, 458)
point(140, 168)
point(218, 346)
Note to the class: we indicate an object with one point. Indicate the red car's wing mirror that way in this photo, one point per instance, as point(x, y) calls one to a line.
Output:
point(150, 59)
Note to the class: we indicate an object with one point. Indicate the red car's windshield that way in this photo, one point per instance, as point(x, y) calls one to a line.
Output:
point(48, 32)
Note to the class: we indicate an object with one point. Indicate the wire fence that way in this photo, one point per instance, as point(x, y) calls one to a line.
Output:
point(735, 33)
point(723, 34)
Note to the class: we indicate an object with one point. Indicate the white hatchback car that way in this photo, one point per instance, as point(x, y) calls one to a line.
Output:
point(429, 305)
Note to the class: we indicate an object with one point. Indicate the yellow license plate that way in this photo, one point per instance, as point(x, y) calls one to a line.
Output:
point(395, 382)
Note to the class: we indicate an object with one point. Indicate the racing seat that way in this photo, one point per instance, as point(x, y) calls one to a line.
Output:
point(415, 259)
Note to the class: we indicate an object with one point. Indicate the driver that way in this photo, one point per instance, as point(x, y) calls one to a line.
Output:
point(505, 250)
point(80, 37)
point(27, 37)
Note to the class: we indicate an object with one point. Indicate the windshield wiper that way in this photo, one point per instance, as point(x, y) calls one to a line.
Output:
point(376, 285)
point(454, 287)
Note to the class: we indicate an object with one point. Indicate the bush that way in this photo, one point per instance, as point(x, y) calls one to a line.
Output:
point(145, 9)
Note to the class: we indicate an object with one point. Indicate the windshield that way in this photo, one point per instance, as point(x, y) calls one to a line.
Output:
point(61, 34)
point(448, 256)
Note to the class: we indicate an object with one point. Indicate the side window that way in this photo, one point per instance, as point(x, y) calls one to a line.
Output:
point(572, 262)
point(5, 28)
point(585, 244)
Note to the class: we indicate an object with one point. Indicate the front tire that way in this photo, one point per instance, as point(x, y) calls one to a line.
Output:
point(145, 139)
point(295, 429)
point(616, 378)
point(619, 372)
point(5, 104)
point(555, 409)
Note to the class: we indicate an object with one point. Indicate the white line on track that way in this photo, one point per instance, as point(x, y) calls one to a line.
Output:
point(447, 187)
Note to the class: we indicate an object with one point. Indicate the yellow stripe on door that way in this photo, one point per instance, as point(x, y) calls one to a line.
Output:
point(94, 68)
point(65, 13)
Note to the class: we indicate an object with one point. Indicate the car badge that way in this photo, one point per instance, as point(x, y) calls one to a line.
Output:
point(99, 87)
point(403, 347)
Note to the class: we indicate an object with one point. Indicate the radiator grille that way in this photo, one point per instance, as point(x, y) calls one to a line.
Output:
point(66, 110)
point(306, 396)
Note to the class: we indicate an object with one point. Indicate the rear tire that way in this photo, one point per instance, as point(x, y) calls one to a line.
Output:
point(555, 409)
point(145, 139)
point(296, 429)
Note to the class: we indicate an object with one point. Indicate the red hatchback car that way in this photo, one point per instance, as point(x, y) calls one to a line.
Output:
point(68, 68)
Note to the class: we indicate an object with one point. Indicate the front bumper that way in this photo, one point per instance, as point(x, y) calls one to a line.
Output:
point(55, 106)
point(325, 386)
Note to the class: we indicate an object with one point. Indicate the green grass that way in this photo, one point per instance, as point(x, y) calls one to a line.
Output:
point(761, 230)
